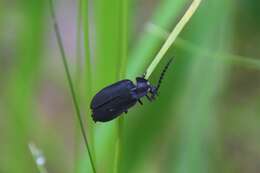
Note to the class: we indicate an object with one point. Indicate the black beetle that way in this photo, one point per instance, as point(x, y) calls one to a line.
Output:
point(117, 98)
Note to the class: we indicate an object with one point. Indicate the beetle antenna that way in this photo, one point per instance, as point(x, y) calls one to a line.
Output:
point(162, 74)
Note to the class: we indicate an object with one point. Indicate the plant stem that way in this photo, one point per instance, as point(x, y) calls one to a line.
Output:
point(172, 37)
point(85, 25)
point(38, 158)
point(123, 39)
point(87, 71)
point(74, 98)
point(243, 61)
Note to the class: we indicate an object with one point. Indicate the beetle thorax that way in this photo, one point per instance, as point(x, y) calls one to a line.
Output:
point(143, 87)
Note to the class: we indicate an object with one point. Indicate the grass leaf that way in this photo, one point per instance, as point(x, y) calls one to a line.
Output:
point(172, 37)
point(71, 86)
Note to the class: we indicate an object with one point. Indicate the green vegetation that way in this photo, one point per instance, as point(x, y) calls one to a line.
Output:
point(204, 120)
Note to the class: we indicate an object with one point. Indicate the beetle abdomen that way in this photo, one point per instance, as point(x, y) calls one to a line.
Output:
point(110, 92)
point(112, 110)
point(112, 101)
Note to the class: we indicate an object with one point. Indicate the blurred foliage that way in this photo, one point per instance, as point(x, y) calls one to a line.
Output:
point(204, 120)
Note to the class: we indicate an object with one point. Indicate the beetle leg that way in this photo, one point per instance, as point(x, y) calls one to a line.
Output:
point(126, 111)
point(153, 96)
point(149, 98)
point(141, 103)
point(153, 91)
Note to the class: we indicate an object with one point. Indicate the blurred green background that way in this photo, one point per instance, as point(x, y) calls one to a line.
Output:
point(206, 118)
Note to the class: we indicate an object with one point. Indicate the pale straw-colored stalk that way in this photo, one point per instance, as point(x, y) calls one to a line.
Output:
point(172, 37)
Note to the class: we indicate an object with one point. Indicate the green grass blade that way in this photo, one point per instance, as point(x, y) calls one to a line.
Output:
point(123, 24)
point(143, 124)
point(87, 83)
point(172, 37)
point(88, 65)
point(228, 58)
point(145, 48)
point(232, 59)
point(74, 98)
point(205, 76)
point(105, 62)
point(111, 37)
point(88, 70)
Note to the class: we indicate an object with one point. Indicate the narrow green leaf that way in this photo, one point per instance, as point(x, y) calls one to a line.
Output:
point(71, 86)
point(172, 37)
point(111, 37)
point(145, 48)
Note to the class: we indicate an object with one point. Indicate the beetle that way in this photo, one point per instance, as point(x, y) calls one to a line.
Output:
point(117, 98)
